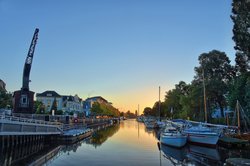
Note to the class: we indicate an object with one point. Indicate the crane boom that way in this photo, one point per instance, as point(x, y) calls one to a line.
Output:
point(28, 61)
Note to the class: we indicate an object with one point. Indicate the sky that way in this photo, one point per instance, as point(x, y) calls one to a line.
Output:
point(122, 50)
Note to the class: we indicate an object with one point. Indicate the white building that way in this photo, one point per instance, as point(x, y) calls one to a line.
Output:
point(72, 104)
point(48, 97)
point(65, 103)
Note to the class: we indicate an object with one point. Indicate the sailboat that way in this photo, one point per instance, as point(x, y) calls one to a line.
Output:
point(159, 123)
point(202, 134)
point(172, 137)
point(243, 123)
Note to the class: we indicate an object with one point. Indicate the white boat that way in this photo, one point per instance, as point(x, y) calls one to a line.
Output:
point(139, 119)
point(172, 137)
point(201, 135)
point(160, 124)
point(150, 124)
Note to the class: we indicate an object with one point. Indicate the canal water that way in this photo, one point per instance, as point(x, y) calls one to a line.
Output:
point(126, 144)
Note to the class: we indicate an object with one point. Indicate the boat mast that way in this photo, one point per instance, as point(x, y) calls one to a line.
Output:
point(138, 113)
point(238, 114)
point(160, 103)
point(204, 91)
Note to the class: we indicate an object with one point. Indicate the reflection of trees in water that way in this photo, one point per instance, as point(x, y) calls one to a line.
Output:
point(72, 147)
point(234, 153)
point(99, 137)
point(156, 132)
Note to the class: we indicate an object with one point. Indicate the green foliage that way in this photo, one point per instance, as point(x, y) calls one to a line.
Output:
point(129, 114)
point(241, 19)
point(148, 111)
point(54, 106)
point(104, 109)
point(173, 98)
point(218, 72)
point(187, 100)
point(59, 112)
point(192, 103)
point(5, 99)
point(39, 107)
point(240, 90)
point(121, 114)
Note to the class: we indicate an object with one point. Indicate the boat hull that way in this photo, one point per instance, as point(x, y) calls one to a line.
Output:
point(150, 125)
point(175, 141)
point(203, 139)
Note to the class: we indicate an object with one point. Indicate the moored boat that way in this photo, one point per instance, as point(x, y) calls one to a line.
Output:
point(172, 137)
point(160, 124)
point(150, 124)
point(201, 135)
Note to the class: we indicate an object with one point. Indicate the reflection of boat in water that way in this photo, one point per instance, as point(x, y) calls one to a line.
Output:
point(178, 154)
point(203, 155)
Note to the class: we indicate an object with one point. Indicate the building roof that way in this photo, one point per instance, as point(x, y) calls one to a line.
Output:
point(96, 97)
point(48, 94)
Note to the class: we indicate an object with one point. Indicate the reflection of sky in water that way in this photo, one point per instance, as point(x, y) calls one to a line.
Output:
point(132, 144)
point(128, 146)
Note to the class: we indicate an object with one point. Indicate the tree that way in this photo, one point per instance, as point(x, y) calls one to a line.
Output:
point(54, 106)
point(39, 107)
point(5, 99)
point(104, 109)
point(147, 111)
point(129, 114)
point(241, 19)
point(136, 113)
point(173, 98)
point(217, 72)
point(240, 90)
point(192, 103)
point(121, 114)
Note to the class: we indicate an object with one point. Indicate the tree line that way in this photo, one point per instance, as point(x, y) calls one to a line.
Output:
point(224, 83)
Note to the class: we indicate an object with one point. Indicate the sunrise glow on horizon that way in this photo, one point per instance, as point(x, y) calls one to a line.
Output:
point(120, 50)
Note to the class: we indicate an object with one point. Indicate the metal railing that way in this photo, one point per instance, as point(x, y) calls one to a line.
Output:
point(67, 127)
point(27, 120)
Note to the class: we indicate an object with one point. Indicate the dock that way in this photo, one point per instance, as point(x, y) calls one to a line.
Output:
point(75, 135)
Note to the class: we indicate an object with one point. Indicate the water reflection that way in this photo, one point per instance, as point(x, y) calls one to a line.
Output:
point(177, 156)
point(203, 155)
point(24, 154)
point(192, 154)
point(99, 137)
point(127, 143)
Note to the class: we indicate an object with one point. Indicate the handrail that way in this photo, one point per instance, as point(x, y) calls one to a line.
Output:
point(27, 120)
point(66, 127)
point(213, 125)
